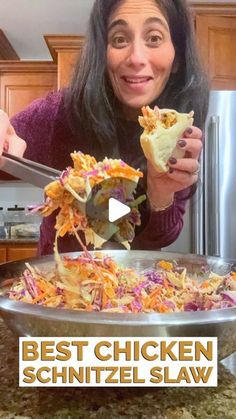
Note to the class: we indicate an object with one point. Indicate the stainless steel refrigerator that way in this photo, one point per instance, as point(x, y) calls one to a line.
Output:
point(210, 221)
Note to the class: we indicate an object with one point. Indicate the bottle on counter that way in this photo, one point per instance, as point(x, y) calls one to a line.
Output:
point(14, 216)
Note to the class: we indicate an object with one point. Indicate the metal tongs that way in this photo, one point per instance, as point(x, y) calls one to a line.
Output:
point(34, 173)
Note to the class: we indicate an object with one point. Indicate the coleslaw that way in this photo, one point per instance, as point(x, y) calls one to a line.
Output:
point(95, 282)
point(71, 192)
point(98, 283)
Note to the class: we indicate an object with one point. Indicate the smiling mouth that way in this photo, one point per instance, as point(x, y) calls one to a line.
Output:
point(136, 80)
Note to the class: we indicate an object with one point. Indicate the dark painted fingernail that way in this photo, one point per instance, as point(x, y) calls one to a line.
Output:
point(182, 143)
point(171, 170)
point(172, 160)
point(189, 131)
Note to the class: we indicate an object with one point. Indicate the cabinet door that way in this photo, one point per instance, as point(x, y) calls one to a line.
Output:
point(216, 37)
point(20, 83)
point(3, 255)
point(16, 253)
point(66, 63)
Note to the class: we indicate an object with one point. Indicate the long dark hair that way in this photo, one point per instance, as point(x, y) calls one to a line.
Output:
point(90, 100)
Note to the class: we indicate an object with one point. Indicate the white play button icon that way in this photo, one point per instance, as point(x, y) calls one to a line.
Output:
point(116, 210)
point(114, 207)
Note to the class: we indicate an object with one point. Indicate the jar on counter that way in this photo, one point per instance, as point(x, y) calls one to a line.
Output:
point(14, 216)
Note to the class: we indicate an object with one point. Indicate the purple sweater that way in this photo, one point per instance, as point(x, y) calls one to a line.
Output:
point(43, 125)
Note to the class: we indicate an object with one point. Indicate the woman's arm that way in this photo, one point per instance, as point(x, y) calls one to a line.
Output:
point(28, 132)
point(36, 124)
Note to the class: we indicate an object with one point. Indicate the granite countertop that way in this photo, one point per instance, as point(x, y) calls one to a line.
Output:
point(20, 240)
point(79, 403)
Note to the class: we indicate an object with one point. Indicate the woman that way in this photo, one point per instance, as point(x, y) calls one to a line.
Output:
point(138, 52)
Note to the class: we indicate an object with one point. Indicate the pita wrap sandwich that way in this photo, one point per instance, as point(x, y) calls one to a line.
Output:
point(162, 129)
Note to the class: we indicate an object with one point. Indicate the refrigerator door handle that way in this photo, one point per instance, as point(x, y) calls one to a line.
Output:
point(197, 244)
point(212, 192)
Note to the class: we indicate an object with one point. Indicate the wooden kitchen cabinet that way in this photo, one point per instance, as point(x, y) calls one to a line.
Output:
point(16, 251)
point(216, 37)
point(3, 255)
point(65, 51)
point(22, 82)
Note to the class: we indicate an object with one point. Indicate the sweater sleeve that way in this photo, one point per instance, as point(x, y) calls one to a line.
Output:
point(35, 124)
point(163, 227)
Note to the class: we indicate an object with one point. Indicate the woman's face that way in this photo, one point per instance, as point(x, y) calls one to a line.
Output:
point(140, 53)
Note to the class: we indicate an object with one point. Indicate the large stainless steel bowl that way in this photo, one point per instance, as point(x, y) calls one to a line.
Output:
point(32, 320)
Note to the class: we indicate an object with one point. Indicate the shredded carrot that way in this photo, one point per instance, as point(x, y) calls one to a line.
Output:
point(39, 297)
point(233, 274)
point(161, 308)
point(167, 266)
point(124, 172)
point(104, 299)
point(205, 284)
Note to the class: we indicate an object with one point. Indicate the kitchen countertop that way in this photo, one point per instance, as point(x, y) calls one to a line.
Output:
point(141, 403)
point(20, 240)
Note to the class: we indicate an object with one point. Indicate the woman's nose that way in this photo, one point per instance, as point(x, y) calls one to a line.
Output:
point(137, 55)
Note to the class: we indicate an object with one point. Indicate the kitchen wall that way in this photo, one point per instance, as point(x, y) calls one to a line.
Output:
point(19, 193)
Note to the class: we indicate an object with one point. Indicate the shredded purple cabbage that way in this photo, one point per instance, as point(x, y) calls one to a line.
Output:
point(35, 208)
point(153, 276)
point(192, 306)
point(227, 295)
point(30, 284)
point(170, 304)
point(92, 172)
point(136, 305)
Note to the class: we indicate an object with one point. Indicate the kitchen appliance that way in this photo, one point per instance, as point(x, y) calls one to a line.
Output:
point(14, 216)
point(36, 320)
point(210, 222)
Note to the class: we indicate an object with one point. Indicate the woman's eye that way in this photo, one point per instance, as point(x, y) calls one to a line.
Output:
point(119, 41)
point(154, 40)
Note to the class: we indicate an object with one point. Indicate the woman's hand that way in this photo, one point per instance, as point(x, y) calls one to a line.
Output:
point(9, 141)
point(182, 173)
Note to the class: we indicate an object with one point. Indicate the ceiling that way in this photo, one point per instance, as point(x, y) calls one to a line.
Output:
point(24, 23)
